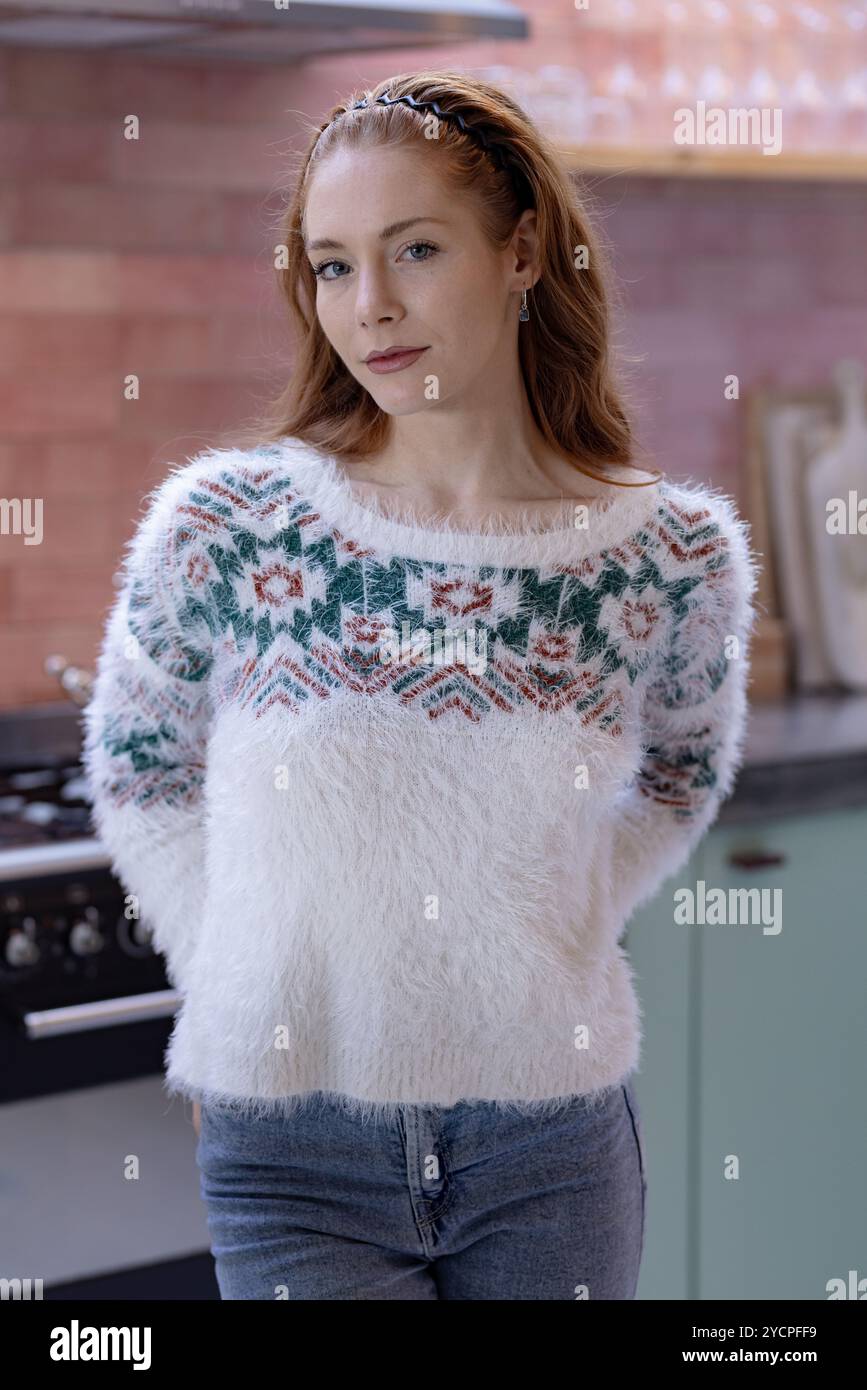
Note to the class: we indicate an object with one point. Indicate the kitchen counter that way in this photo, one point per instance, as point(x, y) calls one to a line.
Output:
point(804, 753)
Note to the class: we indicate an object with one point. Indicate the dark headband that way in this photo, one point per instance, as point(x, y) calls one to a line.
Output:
point(473, 132)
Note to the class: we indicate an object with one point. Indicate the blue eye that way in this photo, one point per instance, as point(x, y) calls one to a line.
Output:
point(319, 270)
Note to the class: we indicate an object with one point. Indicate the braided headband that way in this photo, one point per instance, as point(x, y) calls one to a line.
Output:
point(479, 136)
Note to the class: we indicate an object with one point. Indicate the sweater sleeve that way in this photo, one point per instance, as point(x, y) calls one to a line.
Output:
point(694, 706)
point(146, 723)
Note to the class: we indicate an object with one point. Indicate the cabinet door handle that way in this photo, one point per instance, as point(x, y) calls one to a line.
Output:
point(755, 859)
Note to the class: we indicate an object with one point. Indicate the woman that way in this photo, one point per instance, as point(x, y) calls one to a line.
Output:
point(404, 707)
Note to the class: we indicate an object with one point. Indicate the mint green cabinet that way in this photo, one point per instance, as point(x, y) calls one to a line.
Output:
point(754, 1061)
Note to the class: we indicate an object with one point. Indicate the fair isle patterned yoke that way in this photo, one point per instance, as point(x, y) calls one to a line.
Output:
point(257, 594)
point(557, 637)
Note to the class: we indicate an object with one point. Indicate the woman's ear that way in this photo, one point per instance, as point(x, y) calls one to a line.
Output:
point(525, 247)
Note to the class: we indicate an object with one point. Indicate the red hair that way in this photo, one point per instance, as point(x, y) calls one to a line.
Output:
point(564, 347)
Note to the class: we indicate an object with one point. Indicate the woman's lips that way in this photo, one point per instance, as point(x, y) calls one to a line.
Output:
point(395, 362)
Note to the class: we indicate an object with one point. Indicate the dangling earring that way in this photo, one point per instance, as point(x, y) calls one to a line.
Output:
point(523, 312)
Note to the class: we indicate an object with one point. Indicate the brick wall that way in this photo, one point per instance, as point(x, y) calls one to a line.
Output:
point(153, 256)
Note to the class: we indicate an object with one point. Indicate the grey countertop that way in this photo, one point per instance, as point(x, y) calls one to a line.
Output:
point(804, 753)
point(807, 726)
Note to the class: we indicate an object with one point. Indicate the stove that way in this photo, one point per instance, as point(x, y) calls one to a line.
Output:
point(84, 999)
point(86, 1012)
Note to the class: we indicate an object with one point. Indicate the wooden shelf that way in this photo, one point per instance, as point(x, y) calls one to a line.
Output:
point(714, 162)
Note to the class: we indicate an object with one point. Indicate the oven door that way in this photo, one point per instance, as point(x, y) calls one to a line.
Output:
point(99, 1193)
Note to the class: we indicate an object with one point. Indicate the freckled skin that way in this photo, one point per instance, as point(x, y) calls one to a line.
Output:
point(440, 285)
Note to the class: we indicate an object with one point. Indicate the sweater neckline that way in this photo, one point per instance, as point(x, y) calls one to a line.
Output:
point(320, 478)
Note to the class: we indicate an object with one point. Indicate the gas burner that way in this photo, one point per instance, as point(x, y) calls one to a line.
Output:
point(43, 805)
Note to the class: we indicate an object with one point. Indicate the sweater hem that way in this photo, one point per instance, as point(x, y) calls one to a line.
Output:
point(542, 1099)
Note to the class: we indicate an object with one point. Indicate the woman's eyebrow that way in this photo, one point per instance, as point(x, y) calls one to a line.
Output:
point(394, 229)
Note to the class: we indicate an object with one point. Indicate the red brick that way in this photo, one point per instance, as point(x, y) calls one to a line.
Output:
point(70, 593)
point(44, 341)
point(60, 401)
point(73, 529)
point(177, 405)
point(23, 680)
point(77, 150)
point(166, 344)
point(196, 156)
point(116, 217)
point(10, 198)
point(190, 284)
point(58, 282)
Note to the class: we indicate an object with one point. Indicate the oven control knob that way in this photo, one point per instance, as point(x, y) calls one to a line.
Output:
point(85, 938)
point(21, 949)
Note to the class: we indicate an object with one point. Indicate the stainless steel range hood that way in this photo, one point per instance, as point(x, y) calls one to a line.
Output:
point(254, 30)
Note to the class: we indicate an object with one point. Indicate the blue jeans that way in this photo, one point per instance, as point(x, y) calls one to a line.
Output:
point(461, 1202)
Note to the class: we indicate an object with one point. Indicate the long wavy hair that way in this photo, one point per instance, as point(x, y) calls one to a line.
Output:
point(564, 348)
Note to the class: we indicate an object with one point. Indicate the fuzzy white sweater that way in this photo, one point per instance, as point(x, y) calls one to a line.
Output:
point(385, 869)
